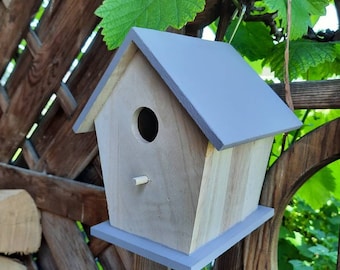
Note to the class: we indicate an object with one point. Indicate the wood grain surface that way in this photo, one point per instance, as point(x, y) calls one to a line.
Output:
point(291, 170)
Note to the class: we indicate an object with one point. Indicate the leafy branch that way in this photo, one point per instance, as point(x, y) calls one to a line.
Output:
point(118, 16)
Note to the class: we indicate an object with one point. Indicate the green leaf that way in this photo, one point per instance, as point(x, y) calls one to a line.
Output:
point(326, 69)
point(118, 16)
point(300, 265)
point(302, 10)
point(303, 55)
point(319, 249)
point(318, 188)
point(252, 39)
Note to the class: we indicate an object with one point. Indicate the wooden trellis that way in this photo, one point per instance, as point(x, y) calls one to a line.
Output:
point(61, 170)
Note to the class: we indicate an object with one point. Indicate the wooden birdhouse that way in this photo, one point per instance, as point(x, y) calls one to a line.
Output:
point(184, 129)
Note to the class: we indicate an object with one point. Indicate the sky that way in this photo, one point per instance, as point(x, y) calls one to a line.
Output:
point(328, 21)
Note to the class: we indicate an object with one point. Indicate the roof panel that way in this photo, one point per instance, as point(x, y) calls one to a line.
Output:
point(220, 91)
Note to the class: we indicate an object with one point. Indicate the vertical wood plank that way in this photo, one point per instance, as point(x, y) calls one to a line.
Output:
point(66, 243)
point(126, 256)
point(109, 259)
point(232, 259)
point(141, 263)
point(45, 259)
point(30, 262)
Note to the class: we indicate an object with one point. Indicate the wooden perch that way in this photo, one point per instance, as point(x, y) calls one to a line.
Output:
point(20, 229)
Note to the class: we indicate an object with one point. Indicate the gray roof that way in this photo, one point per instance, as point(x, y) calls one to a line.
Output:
point(221, 92)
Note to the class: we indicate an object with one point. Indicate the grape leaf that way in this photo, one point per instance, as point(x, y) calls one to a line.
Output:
point(118, 16)
point(323, 71)
point(318, 188)
point(302, 10)
point(300, 265)
point(327, 69)
point(303, 55)
point(252, 39)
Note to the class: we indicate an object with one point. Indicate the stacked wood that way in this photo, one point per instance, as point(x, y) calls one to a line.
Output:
point(9, 264)
point(20, 228)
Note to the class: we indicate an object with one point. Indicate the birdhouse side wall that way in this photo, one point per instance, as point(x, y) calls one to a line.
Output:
point(230, 189)
point(162, 210)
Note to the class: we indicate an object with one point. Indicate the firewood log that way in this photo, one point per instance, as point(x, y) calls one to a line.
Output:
point(20, 228)
point(10, 264)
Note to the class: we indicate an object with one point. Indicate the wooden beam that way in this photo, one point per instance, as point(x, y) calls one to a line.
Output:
point(313, 94)
point(65, 197)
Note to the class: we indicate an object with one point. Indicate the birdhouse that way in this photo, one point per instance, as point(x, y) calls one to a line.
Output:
point(184, 129)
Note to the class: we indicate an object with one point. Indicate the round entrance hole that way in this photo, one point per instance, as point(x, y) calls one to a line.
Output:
point(147, 124)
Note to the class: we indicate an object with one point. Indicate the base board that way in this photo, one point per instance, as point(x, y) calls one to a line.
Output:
point(176, 259)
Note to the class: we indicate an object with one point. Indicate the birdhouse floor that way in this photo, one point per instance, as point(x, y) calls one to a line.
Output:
point(176, 259)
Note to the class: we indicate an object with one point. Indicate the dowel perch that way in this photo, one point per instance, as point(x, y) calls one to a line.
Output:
point(141, 180)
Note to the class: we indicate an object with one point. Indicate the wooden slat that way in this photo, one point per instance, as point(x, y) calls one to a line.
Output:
point(66, 242)
point(141, 263)
point(4, 99)
point(97, 246)
point(127, 257)
point(30, 262)
point(233, 257)
point(33, 42)
point(313, 94)
point(291, 170)
point(109, 259)
point(61, 151)
point(67, 101)
point(42, 77)
point(13, 25)
point(7, 3)
point(31, 156)
point(45, 259)
point(61, 196)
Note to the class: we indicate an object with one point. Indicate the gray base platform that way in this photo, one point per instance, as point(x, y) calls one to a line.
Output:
point(176, 259)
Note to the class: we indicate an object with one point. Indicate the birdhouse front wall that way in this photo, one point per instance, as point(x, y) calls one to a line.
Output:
point(231, 187)
point(143, 130)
